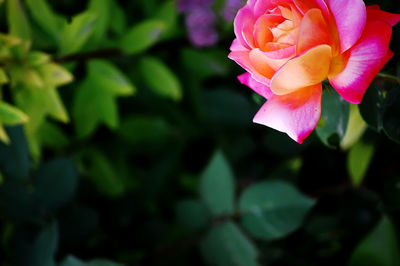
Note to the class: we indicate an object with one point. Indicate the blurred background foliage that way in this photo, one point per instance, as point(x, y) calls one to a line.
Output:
point(127, 140)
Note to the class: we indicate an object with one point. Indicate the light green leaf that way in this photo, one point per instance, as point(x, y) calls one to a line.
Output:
point(77, 33)
point(226, 245)
point(3, 77)
point(50, 135)
point(160, 78)
point(192, 214)
point(273, 209)
point(378, 248)
point(358, 161)
point(217, 186)
point(54, 75)
point(17, 20)
point(10, 115)
point(355, 128)
point(110, 78)
point(141, 36)
point(37, 58)
point(49, 21)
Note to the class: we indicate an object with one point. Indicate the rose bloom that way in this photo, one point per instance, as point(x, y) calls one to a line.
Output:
point(288, 47)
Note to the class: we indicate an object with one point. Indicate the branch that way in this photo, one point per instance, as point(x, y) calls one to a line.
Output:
point(387, 77)
point(105, 53)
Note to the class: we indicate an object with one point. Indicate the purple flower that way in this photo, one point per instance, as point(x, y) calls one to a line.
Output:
point(188, 5)
point(203, 37)
point(231, 8)
point(200, 18)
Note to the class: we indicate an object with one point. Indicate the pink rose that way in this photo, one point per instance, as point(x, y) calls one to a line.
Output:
point(288, 47)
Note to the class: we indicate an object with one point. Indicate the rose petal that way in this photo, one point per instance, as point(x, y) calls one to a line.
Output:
point(260, 7)
point(304, 5)
point(296, 114)
point(242, 58)
point(309, 68)
point(313, 31)
point(258, 87)
point(350, 17)
point(374, 13)
point(237, 46)
point(243, 19)
point(364, 61)
point(262, 34)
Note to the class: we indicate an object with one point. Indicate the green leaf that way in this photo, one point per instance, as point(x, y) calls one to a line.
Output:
point(332, 125)
point(355, 128)
point(373, 104)
point(390, 121)
point(145, 130)
point(217, 186)
point(160, 79)
point(110, 78)
point(50, 135)
point(169, 15)
point(358, 161)
point(192, 214)
point(273, 209)
point(208, 63)
point(76, 34)
point(10, 115)
point(17, 20)
point(102, 11)
point(378, 248)
point(119, 21)
point(73, 261)
point(225, 245)
point(103, 175)
point(55, 183)
point(49, 21)
point(95, 100)
point(142, 36)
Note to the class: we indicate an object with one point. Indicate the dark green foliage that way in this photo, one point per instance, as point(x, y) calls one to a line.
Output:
point(123, 144)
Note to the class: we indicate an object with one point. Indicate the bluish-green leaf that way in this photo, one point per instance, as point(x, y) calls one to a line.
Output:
point(273, 209)
point(14, 157)
point(226, 245)
point(358, 161)
point(192, 214)
point(73, 261)
point(332, 125)
point(56, 183)
point(378, 248)
point(160, 79)
point(217, 186)
point(142, 36)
